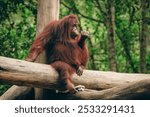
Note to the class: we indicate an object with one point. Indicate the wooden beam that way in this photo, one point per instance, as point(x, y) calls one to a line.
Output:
point(133, 90)
point(99, 85)
point(16, 93)
point(19, 72)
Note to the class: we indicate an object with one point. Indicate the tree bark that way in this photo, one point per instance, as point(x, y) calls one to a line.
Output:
point(48, 10)
point(129, 59)
point(144, 36)
point(25, 73)
point(110, 25)
point(135, 90)
point(18, 92)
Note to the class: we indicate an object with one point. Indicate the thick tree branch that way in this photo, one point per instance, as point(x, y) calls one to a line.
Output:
point(23, 73)
point(17, 92)
point(135, 90)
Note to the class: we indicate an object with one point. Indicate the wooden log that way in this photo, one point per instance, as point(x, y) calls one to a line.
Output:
point(133, 90)
point(19, 72)
point(16, 92)
point(112, 85)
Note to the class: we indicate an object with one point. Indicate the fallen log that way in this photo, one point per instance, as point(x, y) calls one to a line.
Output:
point(23, 73)
point(135, 90)
point(17, 92)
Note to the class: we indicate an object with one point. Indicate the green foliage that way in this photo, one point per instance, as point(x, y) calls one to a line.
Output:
point(17, 31)
point(3, 88)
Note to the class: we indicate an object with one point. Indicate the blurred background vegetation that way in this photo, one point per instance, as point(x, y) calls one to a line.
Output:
point(119, 31)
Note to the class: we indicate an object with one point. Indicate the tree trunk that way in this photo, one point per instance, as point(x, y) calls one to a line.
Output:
point(110, 25)
point(125, 45)
point(143, 38)
point(92, 61)
point(48, 10)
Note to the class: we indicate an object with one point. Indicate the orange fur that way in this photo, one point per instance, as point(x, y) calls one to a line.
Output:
point(64, 53)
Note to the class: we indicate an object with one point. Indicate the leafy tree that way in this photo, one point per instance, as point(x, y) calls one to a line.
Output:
point(17, 28)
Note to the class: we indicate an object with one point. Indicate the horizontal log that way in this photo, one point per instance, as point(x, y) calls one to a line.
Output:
point(16, 93)
point(108, 85)
point(23, 73)
point(133, 90)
